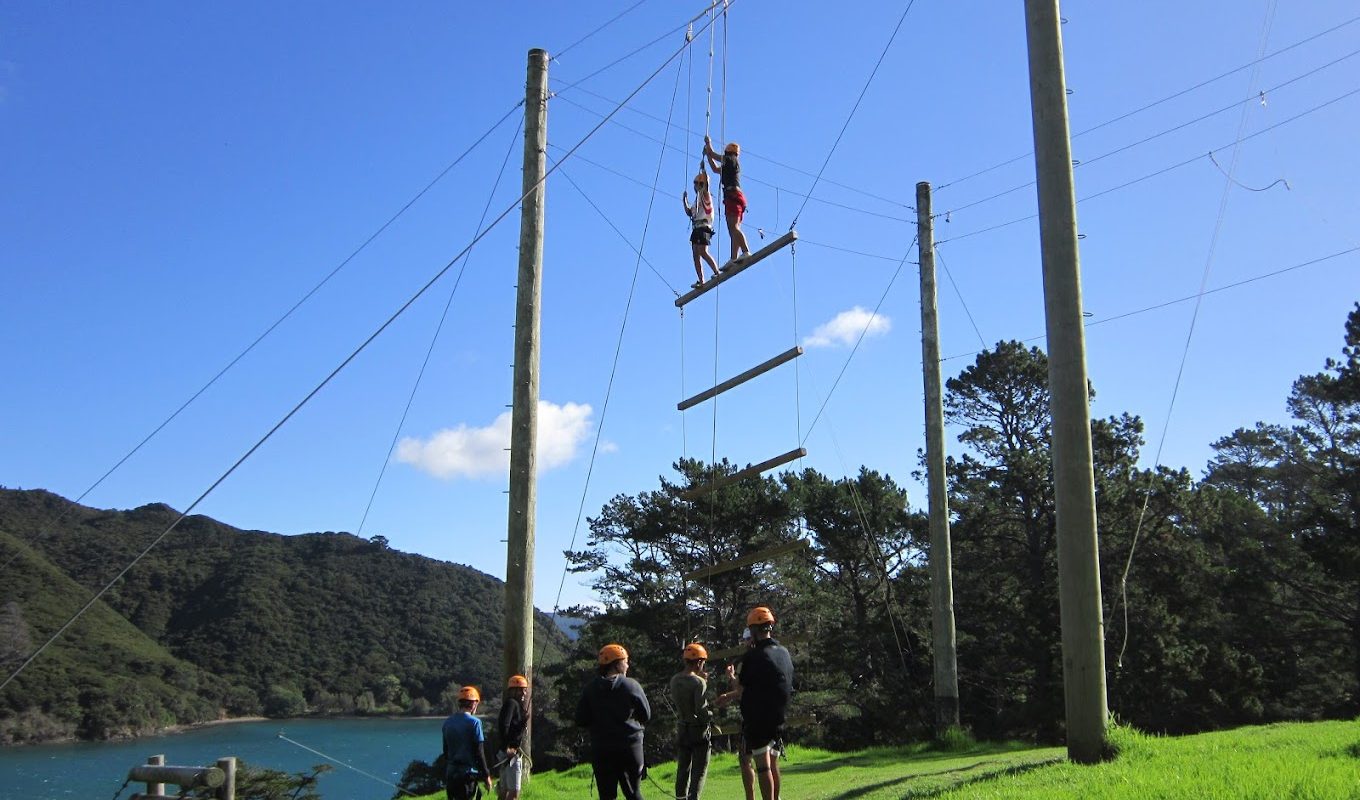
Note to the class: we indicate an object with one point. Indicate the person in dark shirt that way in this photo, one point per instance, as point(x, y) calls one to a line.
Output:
point(464, 757)
point(734, 202)
point(764, 688)
point(615, 710)
point(510, 727)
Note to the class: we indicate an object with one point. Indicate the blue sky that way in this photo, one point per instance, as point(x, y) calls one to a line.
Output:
point(176, 176)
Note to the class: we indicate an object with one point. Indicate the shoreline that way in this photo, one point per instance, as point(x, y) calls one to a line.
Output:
point(171, 730)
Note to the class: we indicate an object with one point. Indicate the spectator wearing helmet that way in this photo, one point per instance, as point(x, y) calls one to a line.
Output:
point(748, 772)
point(510, 727)
point(734, 202)
point(465, 767)
point(764, 688)
point(692, 714)
point(615, 710)
point(701, 225)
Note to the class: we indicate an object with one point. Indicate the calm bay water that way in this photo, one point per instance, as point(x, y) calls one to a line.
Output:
point(380, 747)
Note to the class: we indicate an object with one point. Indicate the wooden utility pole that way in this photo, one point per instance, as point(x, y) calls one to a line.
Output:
point(1083, 633)
point(519, 557)
point(941, 560)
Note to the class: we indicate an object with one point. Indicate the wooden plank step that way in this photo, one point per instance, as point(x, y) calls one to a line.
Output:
point(733, 382)
point(748, 560)
point(733, 268)
point(755, 469)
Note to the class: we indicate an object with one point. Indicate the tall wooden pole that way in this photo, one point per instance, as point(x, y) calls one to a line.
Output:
point(941, 560)
point(1083, 633)
point(519, 558)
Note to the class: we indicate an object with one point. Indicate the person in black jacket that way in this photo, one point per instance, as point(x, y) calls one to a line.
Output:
point(765, 685)
point(615, 710)
point(510, 727)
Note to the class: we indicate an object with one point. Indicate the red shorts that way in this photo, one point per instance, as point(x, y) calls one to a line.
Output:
point(734, 205)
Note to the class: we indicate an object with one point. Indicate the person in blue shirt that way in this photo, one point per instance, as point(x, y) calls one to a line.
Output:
point(465, 767)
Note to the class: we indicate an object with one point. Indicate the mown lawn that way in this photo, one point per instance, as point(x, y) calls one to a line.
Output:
point(1300, 760)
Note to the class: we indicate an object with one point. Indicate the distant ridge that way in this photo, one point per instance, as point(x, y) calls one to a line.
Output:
point(239, 622)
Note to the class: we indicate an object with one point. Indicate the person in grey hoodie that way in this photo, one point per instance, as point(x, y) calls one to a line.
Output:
point(615, 710)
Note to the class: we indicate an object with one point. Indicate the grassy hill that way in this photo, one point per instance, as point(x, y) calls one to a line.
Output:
point(323, 622)
point(103, 678)
point(1298, 760)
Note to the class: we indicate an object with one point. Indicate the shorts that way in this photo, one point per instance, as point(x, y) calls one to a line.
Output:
point(760, 735)
point(701, 236)
point(512, 775)
point(734, 205)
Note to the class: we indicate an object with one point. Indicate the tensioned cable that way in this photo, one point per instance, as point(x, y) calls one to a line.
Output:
point(1087, 162)
point(748, 154)
point(950, 275)
point(682, 26)
point(1189, 336)
point(748, 178)
point(345, 764)
point(223, 371)
point(1164, 170)
point(859, 340)
point(616, 230)
point(420, 375)
point(618, 347)
point(1186, 299)
point(328, 379)
point(1156, 103)
point(612, 20)
point(858, 100)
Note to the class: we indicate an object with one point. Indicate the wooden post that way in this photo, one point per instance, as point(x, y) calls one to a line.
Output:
point(155, 761)
point(1083, 634)
point(941, 560)
point(227, 791)
point(519, 558)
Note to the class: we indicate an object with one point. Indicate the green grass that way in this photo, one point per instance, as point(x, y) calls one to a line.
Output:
point(1296, 760)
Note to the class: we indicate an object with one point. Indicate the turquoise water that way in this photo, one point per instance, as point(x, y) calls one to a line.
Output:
point(380, 747)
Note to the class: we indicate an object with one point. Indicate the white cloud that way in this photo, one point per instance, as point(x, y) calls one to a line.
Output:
point(844, 329)
point(467, 452)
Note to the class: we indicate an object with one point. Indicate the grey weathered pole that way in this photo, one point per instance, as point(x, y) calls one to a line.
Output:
point(941, 560)
point(1083, 633)
point(519, 558)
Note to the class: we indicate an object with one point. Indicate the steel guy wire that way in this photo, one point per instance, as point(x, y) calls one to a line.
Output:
point(434, 339)
point(1156, 103)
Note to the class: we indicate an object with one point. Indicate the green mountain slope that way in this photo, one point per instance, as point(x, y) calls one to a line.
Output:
point(103, 678)
point(344, 623)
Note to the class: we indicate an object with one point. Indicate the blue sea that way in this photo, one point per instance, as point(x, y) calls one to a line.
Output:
point(372, 752)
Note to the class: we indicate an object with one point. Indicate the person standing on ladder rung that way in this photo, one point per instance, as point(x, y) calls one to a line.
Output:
point(701, 225)
point(734, 202)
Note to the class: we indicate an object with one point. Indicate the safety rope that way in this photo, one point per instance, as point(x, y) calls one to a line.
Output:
point(345, 764)
point(434, 339)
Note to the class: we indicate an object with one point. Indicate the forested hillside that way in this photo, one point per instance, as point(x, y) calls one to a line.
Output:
point(1241, 604)
point(244, 622)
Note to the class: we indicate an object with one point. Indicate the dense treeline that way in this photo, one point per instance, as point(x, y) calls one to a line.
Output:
point(221, 622)
point(1241, 602)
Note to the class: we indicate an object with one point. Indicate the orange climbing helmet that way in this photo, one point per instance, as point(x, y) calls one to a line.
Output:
point(611, 653)
point(760, 615)
point(733, 148)
point(470, 693)
point(695, 652)
point(517, 682)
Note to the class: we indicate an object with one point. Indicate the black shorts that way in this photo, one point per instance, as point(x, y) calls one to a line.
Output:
point(758, 735)
point(701, 236)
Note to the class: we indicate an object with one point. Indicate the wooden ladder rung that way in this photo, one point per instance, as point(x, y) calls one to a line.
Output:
point(734, 268)
point(748, 560)
point(730, 383)
point(755, 469)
